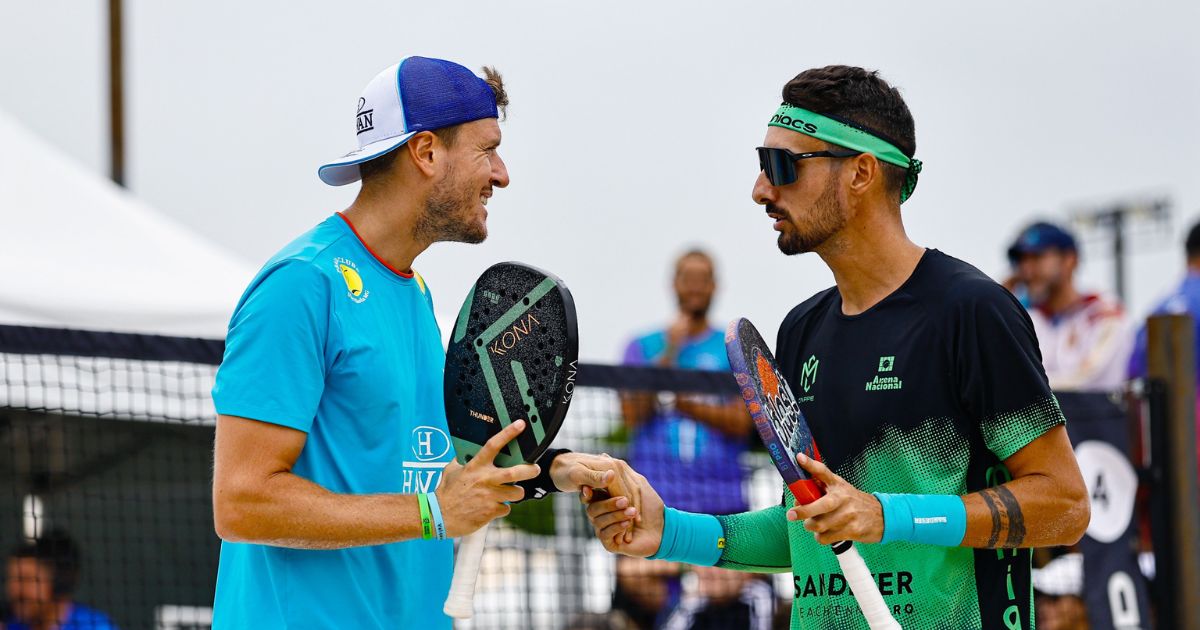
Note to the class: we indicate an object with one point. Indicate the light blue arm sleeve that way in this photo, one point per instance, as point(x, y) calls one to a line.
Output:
point(274, 365)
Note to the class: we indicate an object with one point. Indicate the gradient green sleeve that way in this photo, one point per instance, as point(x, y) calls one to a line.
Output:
point(756, 542)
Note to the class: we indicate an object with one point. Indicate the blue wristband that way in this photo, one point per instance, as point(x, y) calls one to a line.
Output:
point(930, 519)
point(692, 538)
point(435, 510)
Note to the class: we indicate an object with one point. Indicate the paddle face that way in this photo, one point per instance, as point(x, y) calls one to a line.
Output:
point(513, 356)
point(773, 407)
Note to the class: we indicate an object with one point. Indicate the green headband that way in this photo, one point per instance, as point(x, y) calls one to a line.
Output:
point(836, 132)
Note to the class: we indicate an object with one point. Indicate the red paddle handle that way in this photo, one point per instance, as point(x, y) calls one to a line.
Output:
point(807, 490)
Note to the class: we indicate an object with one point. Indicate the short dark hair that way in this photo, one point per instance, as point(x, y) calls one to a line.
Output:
point(448, 135)
point(695, 252)
point(862, 98)
point(60, 554)
point(1192, 245)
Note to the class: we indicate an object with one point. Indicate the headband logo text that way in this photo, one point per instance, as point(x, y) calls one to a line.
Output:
point(794, 123)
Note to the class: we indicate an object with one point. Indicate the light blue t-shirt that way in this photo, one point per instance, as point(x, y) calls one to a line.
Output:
point(328, 340)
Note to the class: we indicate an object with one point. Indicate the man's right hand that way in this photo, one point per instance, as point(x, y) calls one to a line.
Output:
point(472, 496)
point(617, 523)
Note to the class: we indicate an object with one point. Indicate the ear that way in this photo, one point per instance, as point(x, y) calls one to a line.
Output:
point(422, 149)
point(865, 170)
point(1072, 260)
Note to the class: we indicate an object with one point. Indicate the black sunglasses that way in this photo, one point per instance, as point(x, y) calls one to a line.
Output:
point(780, 164)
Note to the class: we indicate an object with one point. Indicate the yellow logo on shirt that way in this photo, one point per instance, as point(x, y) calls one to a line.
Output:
point(354, 282)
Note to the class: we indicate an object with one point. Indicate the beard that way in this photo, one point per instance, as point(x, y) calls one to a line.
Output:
point(696, 309)
point(450, 213)
point(826, 219)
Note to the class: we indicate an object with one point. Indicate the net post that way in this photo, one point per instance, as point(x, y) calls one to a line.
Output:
point(1171, 360)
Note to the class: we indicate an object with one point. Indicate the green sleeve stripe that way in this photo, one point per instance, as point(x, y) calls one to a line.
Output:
point(1007, 433)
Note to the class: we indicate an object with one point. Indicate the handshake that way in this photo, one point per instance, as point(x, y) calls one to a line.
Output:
point(625, 511)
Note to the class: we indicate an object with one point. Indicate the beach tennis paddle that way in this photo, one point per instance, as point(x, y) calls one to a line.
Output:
point(785, 432)
point(512, 356)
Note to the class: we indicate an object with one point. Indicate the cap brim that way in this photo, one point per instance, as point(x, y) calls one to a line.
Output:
point(344, 170)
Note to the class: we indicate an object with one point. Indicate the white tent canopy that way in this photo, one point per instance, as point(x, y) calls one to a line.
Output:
point(81, 252)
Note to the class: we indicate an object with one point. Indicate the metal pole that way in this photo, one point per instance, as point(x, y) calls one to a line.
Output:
point(116, 88)
point(1171, 358)
point(1160, 504)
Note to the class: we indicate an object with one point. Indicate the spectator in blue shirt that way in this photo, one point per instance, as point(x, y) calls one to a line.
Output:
point(689, 446)
point(41, 581)
point(1185, 299)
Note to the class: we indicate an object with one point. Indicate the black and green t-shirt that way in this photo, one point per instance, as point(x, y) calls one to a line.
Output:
point(927, 392)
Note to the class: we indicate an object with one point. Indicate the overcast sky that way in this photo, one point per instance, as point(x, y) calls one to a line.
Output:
point(632, 126)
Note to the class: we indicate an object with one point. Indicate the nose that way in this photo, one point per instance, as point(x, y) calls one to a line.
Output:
point(499, 172)
point(763, 192)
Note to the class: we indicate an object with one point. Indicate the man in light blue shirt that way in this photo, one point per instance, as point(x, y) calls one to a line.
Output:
point(331, 433)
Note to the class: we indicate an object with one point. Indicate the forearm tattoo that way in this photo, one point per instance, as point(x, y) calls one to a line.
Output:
point(1007, 519)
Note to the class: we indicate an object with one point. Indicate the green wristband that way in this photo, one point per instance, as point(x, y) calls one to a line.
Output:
point(426, 517)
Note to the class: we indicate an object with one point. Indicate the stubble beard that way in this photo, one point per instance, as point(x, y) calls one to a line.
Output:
point(450, 213)
point(826, 220)
point(697, 312)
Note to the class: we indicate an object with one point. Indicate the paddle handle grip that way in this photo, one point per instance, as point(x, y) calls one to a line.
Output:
point(460, 603)
point(862, 585)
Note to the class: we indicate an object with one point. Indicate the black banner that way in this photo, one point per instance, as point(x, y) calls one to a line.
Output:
point(1114, 588)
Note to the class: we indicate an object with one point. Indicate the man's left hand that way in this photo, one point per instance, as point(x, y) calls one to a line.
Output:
point(844, 513)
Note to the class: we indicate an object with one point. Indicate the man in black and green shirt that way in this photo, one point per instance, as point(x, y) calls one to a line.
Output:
point(922, 382)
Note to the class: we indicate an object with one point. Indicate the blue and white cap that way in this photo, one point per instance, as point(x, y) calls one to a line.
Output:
point(417, 94)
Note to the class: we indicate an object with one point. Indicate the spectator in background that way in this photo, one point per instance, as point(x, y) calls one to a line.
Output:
point(1084, 337)
point(688, 446)
point(1185, 299)
point(719, 601)
point(42, 576)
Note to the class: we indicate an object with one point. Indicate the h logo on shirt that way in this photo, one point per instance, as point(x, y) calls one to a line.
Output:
point(424, 443)
point(429, 443)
